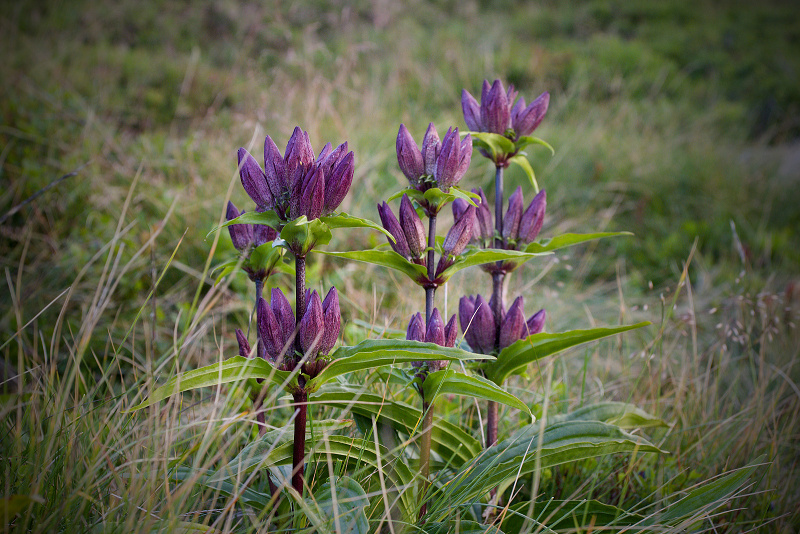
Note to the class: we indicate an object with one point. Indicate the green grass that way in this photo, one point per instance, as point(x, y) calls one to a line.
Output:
point(675, 121)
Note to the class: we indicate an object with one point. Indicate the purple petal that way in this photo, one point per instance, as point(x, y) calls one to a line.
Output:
point(450, 332)
point(298, 152)
point(434, 333)
point(472, 111)
point(527, 120)
point(409, 156)
point(484, 217)
point(416, 328)
point(449, 161)
point(460, 234)
point(533, 218)
point(269, 329)
point(284, 315)
point(253, 180)
point(431, 148)
point(338, 185)
point(495, 113)
point(535, 324)
point(513, 327)
point(466, 308)
point(244, 346)
point(390, 222)
point(412, 227)
point(274, 169)
point(241, 234)
point(312, 326)
point(332, 318)
point(513, 215)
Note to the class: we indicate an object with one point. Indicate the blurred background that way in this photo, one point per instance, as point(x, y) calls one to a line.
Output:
point(678, 121)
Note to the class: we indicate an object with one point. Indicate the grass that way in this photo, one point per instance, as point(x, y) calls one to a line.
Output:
point(677, 123)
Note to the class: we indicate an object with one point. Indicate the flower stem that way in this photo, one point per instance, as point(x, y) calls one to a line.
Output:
point(425, 454)
point(431, 290)
point(300, 295)
point(299, 450)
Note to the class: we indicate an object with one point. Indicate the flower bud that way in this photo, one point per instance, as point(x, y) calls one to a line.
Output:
point(460, 234)
point(409, 156)
point(299, 153)
point(495, 113)
point(434, 333)
point(484, 218)
point(274, 168)
point(431, 148)
point(535, 324)
point(283, 313)
point(416, 328)
point(312, 326)
point(412, 228)
point(312, 200)
point(449, 161)
point(241, 234)
point(472, 111)
point(390, 223)
point(253, 180)
point(525, 120)
point(477, 323)
point(450, 332)
point(338, 183)
point(513, 326)
point(269, 330)
point(531, 222)
point(513, 215)
point(244, 346)
point(332, 318)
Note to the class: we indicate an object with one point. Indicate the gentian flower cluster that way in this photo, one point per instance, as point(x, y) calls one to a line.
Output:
point(479, 324)
point(435, 332)
point(318, 330)
point(498, 113)
point(437, 164)
point(296, 184)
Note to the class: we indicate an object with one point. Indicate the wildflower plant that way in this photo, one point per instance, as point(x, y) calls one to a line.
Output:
point(442, 467)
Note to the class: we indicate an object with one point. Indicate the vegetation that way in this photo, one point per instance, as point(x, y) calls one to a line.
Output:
point(676, 121)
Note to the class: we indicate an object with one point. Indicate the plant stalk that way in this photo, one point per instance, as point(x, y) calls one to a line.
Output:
point(300, 295)
point(430, 291)
point(261, 352)
point(425, 454)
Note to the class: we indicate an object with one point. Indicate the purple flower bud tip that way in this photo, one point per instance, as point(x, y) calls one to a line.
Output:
point(413, 229)
point(269, 330)
point(283, 314)
point(513, 215)
point(472, 111)
point(431, 148)
point(477, 323)
point(253, 180)
point(241, 234)
point(434, 333)
point(495, 112)
point(450, 332)
point(332, 319)
point(409, 156)
point(536, 322)
point(459, 235)
point(244, 346)
point(416, 328)
point(532, 220)
point(513, 327)
point(390, 223)
point(312, 326)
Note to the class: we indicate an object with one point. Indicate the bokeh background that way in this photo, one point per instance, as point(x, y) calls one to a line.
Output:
point(678, 121)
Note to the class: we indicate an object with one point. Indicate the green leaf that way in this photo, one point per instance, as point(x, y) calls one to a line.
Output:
point(700, 501)
point(340, 505)
point(477, 256)
point(518, 355)
point(528, 451)
point(461, 526)
point(567, 240)
point(269, 217)
point(522, 161)
point(345, 220)
point(526, 140)
point(233, 369)
point(227, 268)
point(495, 143)
point(265, 256)
point(615, 413)
point(304, 235)
point(563, 515)
point(379, 352)
point(469, 196)
point(449, 441)
point(385, 258)
point(447, 382)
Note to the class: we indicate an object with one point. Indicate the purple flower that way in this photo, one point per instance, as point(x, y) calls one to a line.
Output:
point(296, 184)
point(312, 327)
point(241, 234)
point(270, 331)
point(513, 215)
point(456, 239)
point(497, 112)
point(531, 222)
point(479, 324)
point(332, 320)
point(437, 164)
point(244, 346)
point(436, 332)
point(408, 232)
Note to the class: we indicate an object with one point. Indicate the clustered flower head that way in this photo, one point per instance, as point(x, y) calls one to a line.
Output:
point(296, 184)
point(435, 332)
point(439, 164)
point(318, 329)
point(520, 225)
point(479, 324)
point(498, 113)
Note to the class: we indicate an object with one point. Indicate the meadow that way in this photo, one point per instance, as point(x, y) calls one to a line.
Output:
point(120, 123)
